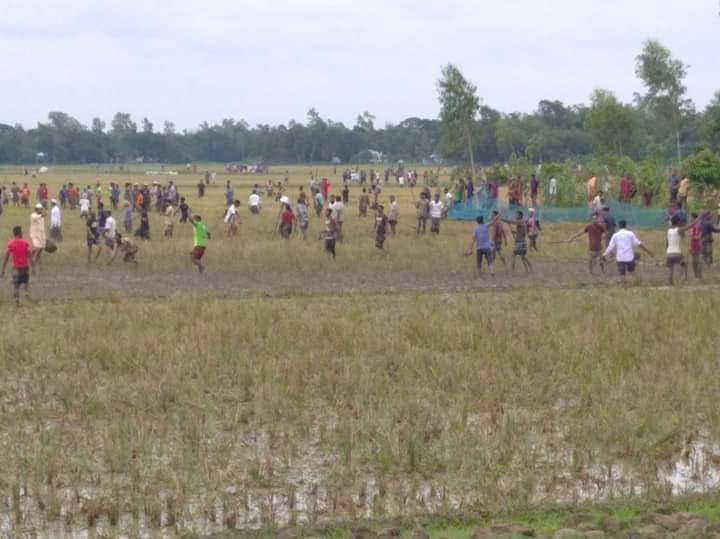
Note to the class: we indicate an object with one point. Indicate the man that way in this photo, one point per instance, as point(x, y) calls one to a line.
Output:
point(534, 187)
point(499, 237)
point(330, 229)
point(229, 194)
point(423, 210)
point(363, 203)
point(381, 222)
point(110, 233)
point(393, 214)
point(21, 254)
point(169, 220)
point(483, 246)
point(623, 244)
point(673, 185)
point(610, 224)
point(287, 220)
point(520, 241)
point(200, 239)
point(436, 212)
point(302, 219)
point(55, 221)
point(184, 210)
point(231, 218)
point(707, 230)
point(254, 202)
point(448, 203)
point(92, 236)
point(37, 232)
point(595, 232)
point(127, 217)
point(674, 255)
point(553, 190)
point(533, 228)
point(683, 191)
point(338, 209)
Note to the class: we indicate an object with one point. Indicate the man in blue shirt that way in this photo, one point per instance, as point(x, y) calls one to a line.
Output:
point(483, 246)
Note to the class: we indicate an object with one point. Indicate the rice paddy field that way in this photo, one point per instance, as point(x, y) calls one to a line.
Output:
point(280, 389)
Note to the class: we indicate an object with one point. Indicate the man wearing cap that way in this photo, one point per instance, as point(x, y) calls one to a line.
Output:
point(55, 221)
point(37, 233)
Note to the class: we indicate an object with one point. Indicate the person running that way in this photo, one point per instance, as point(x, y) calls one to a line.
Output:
point(436, 213)
point(533, 228)
point(381, 222)
point(38, 238)
point(423, 211)
point(230, 219)
point(595, 232)
point(498, 236)
point(254, 202)
point(55, 221)
point(610, 224)
point(393, 214)
point(623, 244)
point(92, 235)
point(318, 202)
point(22, 262)
point(329, 235)
point(287, 220)
point(481, 240)
point(520, 234)
point(201, 235)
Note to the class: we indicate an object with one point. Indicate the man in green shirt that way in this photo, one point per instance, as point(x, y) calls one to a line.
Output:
point(200, 239)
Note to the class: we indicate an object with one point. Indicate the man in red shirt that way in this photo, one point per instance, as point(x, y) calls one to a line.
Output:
point(287, 218)
point(19, 250)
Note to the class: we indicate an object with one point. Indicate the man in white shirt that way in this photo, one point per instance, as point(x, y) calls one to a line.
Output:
point(254, 202)
point(84, 207)
point(231, 218)
point(110, 231)
point(553, 190)
point(436, 212)
point(623, 243)
point(55, 221)
point(338, 209)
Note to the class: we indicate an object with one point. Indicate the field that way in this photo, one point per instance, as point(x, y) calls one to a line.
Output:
point(281, 388)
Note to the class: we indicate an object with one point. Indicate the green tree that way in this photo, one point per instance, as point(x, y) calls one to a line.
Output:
point(459, 106)
point(711, 120)
point(611, 123)
point(703, 167)
point(663, 77)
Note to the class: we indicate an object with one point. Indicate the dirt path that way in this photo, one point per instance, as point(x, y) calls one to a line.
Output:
point(122, 281)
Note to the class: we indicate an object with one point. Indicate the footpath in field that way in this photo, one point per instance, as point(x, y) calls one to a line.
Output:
point(119, 281)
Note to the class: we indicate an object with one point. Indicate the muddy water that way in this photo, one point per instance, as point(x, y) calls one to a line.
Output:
point(311, 494)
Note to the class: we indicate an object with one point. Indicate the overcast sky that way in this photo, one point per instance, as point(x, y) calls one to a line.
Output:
point(269, 61)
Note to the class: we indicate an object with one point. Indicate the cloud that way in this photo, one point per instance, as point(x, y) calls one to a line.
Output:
point(269, 62)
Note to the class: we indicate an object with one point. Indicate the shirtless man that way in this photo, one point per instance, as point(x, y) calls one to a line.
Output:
point(520, 241)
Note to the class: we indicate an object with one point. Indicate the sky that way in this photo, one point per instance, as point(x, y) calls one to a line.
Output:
point(270, 61)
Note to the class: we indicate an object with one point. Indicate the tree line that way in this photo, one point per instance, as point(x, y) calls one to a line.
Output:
point(660, 123)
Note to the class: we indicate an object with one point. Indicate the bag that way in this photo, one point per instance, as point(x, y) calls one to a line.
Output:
point(50, 246)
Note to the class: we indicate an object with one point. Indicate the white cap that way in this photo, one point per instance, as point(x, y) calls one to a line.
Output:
point(531, 210)
point(38, 206)
point(53, 201)
point(284, 200)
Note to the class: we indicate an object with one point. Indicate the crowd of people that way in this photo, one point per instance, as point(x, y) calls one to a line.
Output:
point(490, 238)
